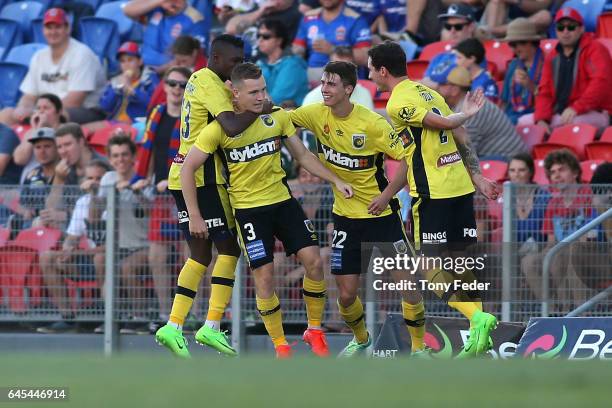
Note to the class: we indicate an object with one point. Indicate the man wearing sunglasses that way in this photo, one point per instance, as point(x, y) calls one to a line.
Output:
point(458, 25)
point(574, 87)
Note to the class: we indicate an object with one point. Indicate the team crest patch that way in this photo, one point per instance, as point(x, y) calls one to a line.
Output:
point(400, 247)
point(309, 225)
point(359, 141)
point(406, 113)
point(267, 120)
point(341, 34)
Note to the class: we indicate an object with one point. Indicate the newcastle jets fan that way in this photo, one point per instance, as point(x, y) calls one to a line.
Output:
point(263, 205)
point(352, 142)
point(440, 185)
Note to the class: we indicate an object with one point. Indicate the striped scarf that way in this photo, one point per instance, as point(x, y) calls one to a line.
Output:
point(146, 149)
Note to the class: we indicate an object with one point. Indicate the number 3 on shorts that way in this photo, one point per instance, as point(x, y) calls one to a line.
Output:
point(340, 236)
point(250, 230)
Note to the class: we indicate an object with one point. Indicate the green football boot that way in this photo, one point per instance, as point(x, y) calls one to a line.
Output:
point(422, 354)
point(479, 341)
point(207, 336)
point(354, 349)
point(172, 338)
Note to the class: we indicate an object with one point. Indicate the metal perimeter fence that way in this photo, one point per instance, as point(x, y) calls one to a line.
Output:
point(114, 256)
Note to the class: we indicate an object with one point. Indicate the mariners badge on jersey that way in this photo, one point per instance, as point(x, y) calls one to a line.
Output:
point(267, 120)
point(406, 113)
point(359, 141)
point(309, 225)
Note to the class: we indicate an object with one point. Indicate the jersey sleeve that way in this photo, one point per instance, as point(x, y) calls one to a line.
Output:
point(215, 99)
point(387, 139)
point(301, 35)
point(209, 138)
point(409, 113)
point(288, 128)
point(303, 116)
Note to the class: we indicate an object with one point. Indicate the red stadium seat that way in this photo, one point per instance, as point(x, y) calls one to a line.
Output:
point(531, 134)
point(601, 150)
point(588, 168)
point(548, 44)
point(433, 49)
point(19, 265)
point(369, 85)
point(416, 69)
point(499, 53)
point(21, 130)
point(99, 138)
point(573, 136)
point(494, 169)
point(607, 42)
point(540, 173)
point(5, 233)
point(604, 25)
point(492, 69)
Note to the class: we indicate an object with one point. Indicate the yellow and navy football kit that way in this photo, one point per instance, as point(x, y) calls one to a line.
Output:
point(354, 147)
point(442, 205)
point(206, 96)
point(258, 192)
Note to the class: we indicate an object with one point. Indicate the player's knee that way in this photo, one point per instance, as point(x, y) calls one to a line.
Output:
point(314, 267)
point(346, 298)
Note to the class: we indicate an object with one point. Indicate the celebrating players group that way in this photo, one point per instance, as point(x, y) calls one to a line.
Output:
point(231, 191)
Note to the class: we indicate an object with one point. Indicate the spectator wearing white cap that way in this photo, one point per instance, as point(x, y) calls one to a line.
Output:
point(67, 68)
point(490, 131)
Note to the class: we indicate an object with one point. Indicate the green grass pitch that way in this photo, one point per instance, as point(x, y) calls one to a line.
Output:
point(142, 380)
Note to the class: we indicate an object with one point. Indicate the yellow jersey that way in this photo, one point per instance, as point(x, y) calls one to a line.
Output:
point(353, 147)
point(253, 159)
point(206, 96)
point(436, 169)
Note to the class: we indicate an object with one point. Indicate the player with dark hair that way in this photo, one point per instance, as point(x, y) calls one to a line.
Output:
point(352, 142)
point(437, 155)
point(207, 100)
point(263, 205)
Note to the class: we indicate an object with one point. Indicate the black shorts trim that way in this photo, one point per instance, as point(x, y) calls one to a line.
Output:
point(214, 206)
point(350, 257)
point(259, 227)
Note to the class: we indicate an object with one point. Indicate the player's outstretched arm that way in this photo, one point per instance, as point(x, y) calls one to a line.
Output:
point(379, 203)
point(194, 160)
point(311, 163)
point(488, 188)
point(473, 103)
point(235, 123)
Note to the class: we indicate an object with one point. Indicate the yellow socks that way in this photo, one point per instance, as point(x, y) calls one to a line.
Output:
point(314, 297)
point(414, 316)
point(187, 287)
point(221, 285)
point(354, 318)
point(270, 312)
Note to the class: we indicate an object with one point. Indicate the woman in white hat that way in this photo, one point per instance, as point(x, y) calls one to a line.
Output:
point(524, 71)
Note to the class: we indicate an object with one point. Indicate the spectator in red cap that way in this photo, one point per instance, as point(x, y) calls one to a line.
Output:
point(575, 78)
point(67, 68)
point(127, 95)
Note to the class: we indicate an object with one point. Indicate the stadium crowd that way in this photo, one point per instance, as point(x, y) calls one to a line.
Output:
point(90, 117)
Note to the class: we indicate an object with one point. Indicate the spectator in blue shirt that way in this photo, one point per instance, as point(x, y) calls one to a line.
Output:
point(127, 96)
point(470, 54)
point(285, 73)
point(165, 21)
point(331, 25)
point(9, 171)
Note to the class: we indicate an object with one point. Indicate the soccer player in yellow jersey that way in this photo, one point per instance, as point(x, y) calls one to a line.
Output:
point(352, 142)
point(263, 205)
point(441, 187)
point(207, 100)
